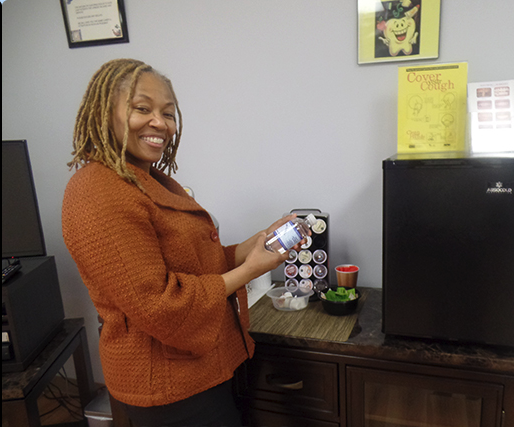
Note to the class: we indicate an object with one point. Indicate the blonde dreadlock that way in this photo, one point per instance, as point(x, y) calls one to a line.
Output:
point(93, 137)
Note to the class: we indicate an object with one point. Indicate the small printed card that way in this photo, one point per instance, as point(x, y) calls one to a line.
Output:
point(491, 116)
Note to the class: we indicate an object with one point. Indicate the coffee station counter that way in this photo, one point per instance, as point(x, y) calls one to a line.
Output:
point(311, 369)
point(367, 340)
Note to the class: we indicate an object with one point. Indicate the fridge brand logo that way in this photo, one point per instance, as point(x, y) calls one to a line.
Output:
point(499, 188)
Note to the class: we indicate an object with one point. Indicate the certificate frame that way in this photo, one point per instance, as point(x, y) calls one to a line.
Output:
point(379, 19)
point(94, 22)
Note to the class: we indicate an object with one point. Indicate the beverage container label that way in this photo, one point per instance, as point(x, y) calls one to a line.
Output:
point(288, 235)
point(291, 270)
point(305, 256)
point(320, 271)
point(306, 285)
point(293, 256)
point(321, 285)
point(308, 242)
point(320, 256)
point(292, 285)
point(319, 227)
point(305, 271)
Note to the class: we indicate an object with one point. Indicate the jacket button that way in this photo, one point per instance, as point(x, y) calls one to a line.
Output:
point(214, 236)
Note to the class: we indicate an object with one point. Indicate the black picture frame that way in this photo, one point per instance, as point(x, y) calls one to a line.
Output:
point(87, 22)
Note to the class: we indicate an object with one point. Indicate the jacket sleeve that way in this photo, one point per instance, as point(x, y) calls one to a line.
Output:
point(118, 252)
point(230, 255)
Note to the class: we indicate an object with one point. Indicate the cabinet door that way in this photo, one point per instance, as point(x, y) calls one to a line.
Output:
point(378, 398)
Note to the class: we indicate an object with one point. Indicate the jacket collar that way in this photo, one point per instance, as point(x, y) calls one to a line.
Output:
point(164, 190)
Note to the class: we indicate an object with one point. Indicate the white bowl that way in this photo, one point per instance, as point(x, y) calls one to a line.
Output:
point(298, 300)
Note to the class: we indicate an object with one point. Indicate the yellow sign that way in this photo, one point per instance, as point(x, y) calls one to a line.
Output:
point(432, 108)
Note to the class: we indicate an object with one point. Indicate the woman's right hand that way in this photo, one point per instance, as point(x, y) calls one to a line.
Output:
point(260, 260)
point(257, 262)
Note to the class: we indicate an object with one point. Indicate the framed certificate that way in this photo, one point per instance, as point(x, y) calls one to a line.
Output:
point(94, 22)
point(398, 30)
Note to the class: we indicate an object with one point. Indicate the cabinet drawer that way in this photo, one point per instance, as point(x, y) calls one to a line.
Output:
point(296, 386)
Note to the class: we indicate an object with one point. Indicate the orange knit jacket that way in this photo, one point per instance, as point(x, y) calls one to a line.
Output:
point(152, 263)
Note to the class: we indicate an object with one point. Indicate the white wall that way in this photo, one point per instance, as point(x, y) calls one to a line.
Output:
point(277, 113)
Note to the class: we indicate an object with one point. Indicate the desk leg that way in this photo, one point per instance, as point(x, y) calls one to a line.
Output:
point(83, 370)
point(20, 413)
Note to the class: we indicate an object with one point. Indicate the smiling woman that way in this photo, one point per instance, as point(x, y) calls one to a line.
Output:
point(119, 92)
point(172, 298)
point(149, 118)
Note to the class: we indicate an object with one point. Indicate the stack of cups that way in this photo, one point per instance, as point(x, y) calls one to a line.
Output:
point(261, 283)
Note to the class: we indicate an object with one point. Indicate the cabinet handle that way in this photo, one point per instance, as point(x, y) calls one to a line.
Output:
point(282, 382)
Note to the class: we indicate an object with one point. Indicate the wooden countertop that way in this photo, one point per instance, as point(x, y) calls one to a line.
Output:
point(366, 338)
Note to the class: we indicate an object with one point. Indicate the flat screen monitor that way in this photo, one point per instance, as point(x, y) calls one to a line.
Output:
point(22, 234)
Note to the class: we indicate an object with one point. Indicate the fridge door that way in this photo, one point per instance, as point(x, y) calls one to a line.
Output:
point(448, 248)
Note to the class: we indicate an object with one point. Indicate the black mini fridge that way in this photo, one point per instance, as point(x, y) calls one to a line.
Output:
point(448, 247)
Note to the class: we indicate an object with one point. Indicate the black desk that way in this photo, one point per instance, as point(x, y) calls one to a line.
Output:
point(20, 390)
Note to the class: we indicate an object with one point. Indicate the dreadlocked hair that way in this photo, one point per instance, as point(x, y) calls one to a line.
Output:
point(94, 138)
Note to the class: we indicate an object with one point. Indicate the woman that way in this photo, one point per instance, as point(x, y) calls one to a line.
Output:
point(171, 296)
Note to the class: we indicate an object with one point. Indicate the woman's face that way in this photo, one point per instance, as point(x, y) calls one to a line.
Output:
point(151, 122)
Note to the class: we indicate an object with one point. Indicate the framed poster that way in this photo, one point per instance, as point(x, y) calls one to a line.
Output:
point(398, 30)
point(94, 22)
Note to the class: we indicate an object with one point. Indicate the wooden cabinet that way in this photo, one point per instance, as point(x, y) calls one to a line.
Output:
point(303, 378)
point(285, 387)
point(387, 398)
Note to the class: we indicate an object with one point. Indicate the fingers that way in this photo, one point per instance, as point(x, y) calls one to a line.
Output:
point(263, 260)
point(278, 223)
